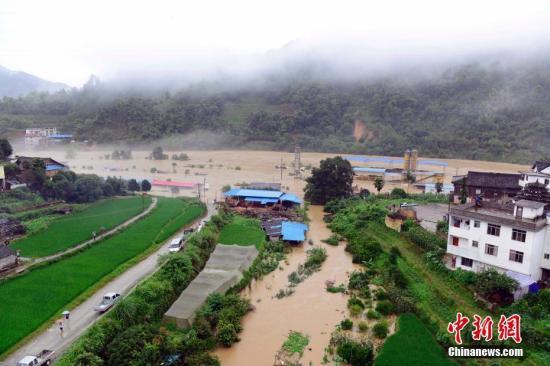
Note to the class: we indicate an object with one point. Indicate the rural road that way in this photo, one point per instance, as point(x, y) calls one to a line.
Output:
point(83, 316)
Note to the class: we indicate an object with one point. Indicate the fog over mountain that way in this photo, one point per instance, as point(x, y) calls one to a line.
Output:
point(18, 83)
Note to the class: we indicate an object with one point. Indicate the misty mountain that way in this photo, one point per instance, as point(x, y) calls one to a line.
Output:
point(485, 110)
point(17, 83)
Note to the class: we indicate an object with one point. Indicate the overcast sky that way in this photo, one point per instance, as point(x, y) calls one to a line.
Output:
point(67, 40)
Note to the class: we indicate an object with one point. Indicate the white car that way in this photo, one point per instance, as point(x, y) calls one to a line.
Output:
point(109, 299)
point(175, 245)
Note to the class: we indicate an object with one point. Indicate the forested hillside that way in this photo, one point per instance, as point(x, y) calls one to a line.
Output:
point(16, 83)
point(490, 112)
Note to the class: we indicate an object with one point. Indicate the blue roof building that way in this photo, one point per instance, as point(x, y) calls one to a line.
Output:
point(293, 231)
point(262, 197)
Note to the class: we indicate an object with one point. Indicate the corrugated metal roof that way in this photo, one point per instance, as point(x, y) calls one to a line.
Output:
point(294, 231)
point(51, 167)
point(290, 197)
point(261, 200)
point(236, 192)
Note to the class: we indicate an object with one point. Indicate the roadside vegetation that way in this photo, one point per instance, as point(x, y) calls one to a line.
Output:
point(69, 230)
point(132, 334)
point(314, 261)
point(35, 297)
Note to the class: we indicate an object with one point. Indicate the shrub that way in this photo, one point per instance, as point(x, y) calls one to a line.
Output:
point(354, 353)
point(355, 301)
point(385, 307)
point(372, 314)
point(398, 193)
point(315, 258)
point(381, 294)
point(363, 326)
point(346, 324)
point(380, 329)
point(227, 334)
point(490, 281)
point(296, 343)
point(355, 310)
point(358, 280)
point(332, 240)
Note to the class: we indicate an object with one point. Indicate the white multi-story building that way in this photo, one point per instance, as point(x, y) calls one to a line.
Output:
point(508, 238)
point(33, 136)
point(540, 173)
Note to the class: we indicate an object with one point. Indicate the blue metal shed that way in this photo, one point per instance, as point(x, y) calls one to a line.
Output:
point(294, 231)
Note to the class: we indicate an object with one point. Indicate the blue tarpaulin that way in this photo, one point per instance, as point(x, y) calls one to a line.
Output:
point(294, 231)
point(290, 198)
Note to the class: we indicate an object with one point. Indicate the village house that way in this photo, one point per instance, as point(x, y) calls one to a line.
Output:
point(540, 174)
point(292, 232)
point(513, 238)
point(489, 186)
point(52, 166)
point(257, 198)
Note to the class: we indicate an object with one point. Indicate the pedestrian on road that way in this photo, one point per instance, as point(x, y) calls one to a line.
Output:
point(94, 235)
point(61, 327)
point(66, 313)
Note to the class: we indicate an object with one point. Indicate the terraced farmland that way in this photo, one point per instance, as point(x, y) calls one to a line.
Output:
point(68, 231)
point(37, 296)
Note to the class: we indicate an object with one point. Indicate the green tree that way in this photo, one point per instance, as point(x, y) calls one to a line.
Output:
point(490, 281)
point(145, 185)
point(133, 185)
point(398, 193)
point(378, 184)
point(332, 180)
point(5, 149)
point(158, 154)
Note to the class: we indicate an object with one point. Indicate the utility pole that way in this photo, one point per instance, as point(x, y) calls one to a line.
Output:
point(281, 169)
point(297, 162)
point(204, 188)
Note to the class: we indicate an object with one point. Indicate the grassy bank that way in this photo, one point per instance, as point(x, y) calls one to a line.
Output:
point(243, 231)
point(412, 345)
point(35, 297)
point(68, 231)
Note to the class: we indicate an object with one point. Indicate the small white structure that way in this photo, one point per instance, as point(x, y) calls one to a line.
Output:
point(540, 173)
point(33, 136)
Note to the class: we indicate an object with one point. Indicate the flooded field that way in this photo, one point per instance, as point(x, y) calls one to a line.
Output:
point(310, 310)
point(219, 168)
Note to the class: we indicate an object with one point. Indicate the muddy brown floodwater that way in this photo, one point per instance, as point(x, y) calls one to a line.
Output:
point(310, 310)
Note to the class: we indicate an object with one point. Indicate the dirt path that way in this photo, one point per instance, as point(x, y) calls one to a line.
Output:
point(310, 310)
point(83, 316)
point(114, 230)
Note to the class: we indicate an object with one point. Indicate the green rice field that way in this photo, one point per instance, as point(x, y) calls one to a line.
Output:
point(30, 300)
point(67, 231)
point(412, 345)
point(242, 231)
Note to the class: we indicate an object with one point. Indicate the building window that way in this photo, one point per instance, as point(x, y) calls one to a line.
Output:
point(491, 249)
point(455, 241)
point(475, 244)
point(478, 190)
point(493, 229)
point(546, 256)
point(519, 235)
point(477, 223)
point(456, 222)
point(467, 262)
point(546, 181)
point(516, 256)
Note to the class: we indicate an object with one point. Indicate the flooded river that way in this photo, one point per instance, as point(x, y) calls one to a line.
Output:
point(310, 310)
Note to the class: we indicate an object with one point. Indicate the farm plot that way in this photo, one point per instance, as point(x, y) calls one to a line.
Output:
point(35, 297)
point(68, 231)
point(412, 345)
point(242, 231)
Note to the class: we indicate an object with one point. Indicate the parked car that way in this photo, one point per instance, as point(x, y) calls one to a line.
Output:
point(109, 299)
point(175, 245)
point(42, 359)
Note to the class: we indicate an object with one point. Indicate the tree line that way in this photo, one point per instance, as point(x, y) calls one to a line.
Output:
point(473, 111)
